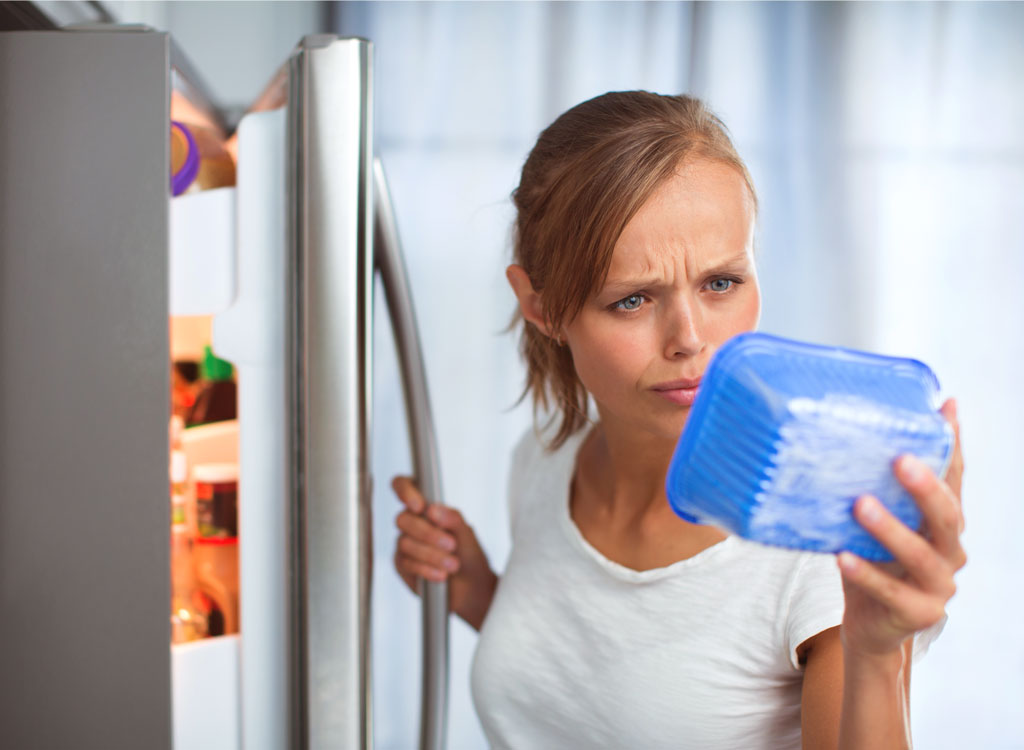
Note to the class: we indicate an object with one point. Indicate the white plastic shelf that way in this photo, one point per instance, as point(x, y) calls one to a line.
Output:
point(203, 265)
point(204, 679)
point(229, 261)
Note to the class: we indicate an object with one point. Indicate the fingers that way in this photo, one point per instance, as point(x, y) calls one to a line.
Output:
point(422, 530)
point(939, 506)
point(424, 549)
point(916, 609)
point(411, 568)
point(409, 494)
point(918, 558)
point(427, 554)
point(955, 472)
point(450, 519)
point(407, 576)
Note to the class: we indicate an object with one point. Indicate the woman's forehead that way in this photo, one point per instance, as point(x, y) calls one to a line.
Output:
point(693, 220)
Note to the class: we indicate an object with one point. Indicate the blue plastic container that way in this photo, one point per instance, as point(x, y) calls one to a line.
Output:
point(784, 436)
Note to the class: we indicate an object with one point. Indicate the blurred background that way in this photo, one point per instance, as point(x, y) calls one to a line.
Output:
point(886, 142)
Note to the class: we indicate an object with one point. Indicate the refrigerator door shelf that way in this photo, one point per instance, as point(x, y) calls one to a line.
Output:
point(252, 335)
point(202, 263)
point(252, 706)
point(205, 693)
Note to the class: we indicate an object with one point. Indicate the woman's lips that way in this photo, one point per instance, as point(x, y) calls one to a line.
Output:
point(681, 396)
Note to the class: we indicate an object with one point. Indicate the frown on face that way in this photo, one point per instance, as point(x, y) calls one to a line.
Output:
point(681, 282)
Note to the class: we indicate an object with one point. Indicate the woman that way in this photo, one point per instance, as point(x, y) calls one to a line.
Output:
point(617, 624)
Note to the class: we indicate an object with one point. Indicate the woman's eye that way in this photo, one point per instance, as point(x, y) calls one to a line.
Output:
point(721, 285)
point(632, 302)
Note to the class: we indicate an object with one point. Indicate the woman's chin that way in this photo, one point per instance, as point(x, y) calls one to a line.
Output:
point(670, 426)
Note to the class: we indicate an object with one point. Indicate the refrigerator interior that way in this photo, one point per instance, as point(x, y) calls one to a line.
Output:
point(227, 281)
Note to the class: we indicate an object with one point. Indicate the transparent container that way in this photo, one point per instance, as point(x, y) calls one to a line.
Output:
point(784, 436)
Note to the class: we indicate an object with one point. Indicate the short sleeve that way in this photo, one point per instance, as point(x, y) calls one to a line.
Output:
point(815, 601)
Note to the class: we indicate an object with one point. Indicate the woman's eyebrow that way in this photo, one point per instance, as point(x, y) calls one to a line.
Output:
point(735, 264)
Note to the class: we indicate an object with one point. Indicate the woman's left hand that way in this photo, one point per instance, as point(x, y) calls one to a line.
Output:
point(889, 602)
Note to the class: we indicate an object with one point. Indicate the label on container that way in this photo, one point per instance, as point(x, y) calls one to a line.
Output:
point(217, 509)
point(177, 509)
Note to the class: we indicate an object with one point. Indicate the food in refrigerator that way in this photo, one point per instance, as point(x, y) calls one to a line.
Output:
point(218, 398)
point(188, 616)
point(184, 158)
point(216, 563)
point(216, 550)
point(184, 383)
point(199, 159)
point(216, 500)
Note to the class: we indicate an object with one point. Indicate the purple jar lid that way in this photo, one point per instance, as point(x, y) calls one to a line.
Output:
point(181, 179)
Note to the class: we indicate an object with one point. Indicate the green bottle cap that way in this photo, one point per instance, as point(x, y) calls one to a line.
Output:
point(214, 368)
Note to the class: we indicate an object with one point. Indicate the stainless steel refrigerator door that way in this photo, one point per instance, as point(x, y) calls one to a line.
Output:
point(331, 228)
point(331, 308)
point(426, 460)
point(84, 391)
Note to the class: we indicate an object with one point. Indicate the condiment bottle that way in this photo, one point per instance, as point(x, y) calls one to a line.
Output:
point(188, 621)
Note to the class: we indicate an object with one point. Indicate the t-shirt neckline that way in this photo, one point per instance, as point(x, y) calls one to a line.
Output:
point(618, 570)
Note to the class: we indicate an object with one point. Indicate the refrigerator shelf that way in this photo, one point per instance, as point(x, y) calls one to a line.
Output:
point(205, 693)
point(203, 258)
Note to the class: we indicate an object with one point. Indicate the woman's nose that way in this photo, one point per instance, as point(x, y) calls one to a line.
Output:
point(684, 330)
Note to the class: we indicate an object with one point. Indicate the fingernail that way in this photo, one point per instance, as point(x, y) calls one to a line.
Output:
point(435, 513)
point(911, 468)
point(451, 563)
point(870, 509)
point(847, 561)
point(448, 543)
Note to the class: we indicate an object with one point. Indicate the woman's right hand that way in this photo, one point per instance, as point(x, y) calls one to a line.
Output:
point(438, 545)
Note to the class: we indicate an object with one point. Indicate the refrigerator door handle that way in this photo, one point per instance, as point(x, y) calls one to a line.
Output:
point(389, 262)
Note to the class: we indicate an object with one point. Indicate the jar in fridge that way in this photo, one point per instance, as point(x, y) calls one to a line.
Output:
point(216, 561)
point(216, 500)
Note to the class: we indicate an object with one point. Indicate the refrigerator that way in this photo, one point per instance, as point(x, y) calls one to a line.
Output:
point(96, 258)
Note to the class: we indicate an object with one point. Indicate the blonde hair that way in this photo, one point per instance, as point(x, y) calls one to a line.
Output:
point(590, 171)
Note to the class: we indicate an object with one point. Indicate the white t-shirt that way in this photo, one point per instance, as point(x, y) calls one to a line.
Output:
point(578, 651)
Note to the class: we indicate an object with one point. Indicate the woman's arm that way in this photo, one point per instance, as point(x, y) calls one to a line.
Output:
point(862, 696)
point(876, 702)
point(885, 605)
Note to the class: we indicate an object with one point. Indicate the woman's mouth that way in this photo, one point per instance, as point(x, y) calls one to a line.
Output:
point(681, 396)
point(681, 392)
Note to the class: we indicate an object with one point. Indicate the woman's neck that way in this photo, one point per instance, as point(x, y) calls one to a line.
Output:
point(625, 472)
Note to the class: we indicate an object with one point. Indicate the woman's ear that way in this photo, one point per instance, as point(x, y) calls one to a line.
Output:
point(529, 299)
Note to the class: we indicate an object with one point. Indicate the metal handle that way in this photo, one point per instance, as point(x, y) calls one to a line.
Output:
point(426, 464)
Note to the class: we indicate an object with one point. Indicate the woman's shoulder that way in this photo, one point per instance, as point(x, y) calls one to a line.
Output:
point(534, 445)
point(535, 471)
point(790, 578)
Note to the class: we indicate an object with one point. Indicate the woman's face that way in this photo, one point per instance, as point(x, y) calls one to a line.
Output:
point(681, 282)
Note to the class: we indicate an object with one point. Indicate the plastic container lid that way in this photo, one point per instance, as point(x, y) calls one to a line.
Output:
point(214, 368)
point(784, 436)
point(184, 158)
point(215, 473)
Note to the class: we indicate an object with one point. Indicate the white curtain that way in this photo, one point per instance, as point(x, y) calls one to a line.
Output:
point(887, 145)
